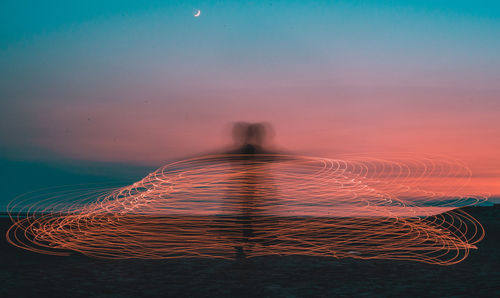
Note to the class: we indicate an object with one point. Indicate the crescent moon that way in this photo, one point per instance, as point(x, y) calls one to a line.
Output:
point(197, 13)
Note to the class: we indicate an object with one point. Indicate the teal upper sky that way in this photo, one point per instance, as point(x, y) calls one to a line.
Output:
point(24, 19)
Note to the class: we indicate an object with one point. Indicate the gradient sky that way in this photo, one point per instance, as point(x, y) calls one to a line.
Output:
point(135, 83)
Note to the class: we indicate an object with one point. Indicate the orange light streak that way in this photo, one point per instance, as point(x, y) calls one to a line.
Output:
point(227, 206)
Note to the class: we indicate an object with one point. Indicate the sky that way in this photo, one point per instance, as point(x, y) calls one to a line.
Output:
point(142, 83)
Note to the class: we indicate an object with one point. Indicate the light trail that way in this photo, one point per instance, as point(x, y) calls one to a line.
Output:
point(225, 206)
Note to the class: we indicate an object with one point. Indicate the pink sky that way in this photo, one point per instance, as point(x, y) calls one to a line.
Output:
point(313, 121)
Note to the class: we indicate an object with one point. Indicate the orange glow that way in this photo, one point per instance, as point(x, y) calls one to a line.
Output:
point(334, 121)
point(222, 205)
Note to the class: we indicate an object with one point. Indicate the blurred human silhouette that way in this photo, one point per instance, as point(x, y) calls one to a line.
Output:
point(245, 208)
point(251, 178)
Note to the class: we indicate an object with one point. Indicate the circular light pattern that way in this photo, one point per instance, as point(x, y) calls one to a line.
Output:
point(231, 206)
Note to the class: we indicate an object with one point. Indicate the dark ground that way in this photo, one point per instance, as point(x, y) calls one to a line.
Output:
point(27, 274)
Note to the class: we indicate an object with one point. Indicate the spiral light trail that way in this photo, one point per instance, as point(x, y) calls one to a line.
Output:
point(227, 206)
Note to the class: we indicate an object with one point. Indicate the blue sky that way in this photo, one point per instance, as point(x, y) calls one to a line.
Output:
point(144, 82)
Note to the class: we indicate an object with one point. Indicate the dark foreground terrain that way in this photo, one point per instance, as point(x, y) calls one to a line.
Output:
point(27, 274)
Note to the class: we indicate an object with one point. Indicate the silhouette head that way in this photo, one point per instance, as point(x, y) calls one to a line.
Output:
point(251, 137)
point(249, 134)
